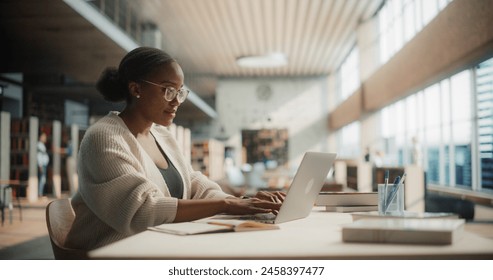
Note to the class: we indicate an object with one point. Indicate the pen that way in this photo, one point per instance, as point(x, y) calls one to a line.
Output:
point(221, 224)
point(387, 196)
point(386, 182)
point(393, 194)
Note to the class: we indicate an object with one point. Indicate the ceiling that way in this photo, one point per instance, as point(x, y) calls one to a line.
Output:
point(55, 46)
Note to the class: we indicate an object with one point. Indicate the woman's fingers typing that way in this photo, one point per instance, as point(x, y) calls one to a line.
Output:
point(251, 206)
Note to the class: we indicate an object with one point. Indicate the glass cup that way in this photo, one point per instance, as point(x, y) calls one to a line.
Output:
point(392, 197)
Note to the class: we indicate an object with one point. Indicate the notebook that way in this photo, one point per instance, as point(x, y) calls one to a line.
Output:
point(303, 191)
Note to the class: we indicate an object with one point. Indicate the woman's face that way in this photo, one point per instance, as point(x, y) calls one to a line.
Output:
point(152, 104)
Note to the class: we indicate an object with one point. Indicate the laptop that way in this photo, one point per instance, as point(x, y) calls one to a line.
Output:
point(303, 191)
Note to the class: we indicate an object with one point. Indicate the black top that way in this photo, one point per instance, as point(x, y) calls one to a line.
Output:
point(172, 178)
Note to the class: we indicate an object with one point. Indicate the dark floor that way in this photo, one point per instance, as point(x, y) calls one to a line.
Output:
point(36, 249)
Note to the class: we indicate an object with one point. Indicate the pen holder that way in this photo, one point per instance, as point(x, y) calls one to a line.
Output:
point(391, 197)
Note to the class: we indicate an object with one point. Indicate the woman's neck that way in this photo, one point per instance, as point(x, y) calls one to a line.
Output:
point(135, 122)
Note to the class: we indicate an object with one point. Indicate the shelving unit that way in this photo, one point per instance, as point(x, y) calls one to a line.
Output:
point(266, 144)
point(19, 150)
point(183, 137)
point(23, 166)
point(208, 157)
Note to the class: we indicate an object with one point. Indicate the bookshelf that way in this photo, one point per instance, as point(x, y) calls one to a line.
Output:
point(208, 157)
point(352, 177)
point(380, 175)
point(23, 165)
point(265, 144)
point(183, 137)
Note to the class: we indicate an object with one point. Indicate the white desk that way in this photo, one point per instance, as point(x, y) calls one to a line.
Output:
point(316, 237)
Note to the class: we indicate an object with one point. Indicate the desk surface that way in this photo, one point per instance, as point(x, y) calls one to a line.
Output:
point(316, 237)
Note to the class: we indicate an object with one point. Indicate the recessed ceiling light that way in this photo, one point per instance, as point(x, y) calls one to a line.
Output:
point(263, 61)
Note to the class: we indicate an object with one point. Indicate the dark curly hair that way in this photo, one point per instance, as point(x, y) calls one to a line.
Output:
point(135, 66)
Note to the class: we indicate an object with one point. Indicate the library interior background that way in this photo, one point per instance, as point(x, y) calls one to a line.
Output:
point(388, 85)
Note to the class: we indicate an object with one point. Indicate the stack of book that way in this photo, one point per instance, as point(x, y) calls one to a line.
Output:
point(348, 201)
point(404, 215)
point(408, 231)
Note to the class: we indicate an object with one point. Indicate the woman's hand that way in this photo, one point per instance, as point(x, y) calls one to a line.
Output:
point(277, 197)
point(237, 206)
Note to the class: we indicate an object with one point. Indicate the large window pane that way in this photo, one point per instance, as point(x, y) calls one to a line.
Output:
point(445, 101)
point(383, 21)
point(386, 122)
point(409, 26)
point(484, 89)
point(461, 96)
point(412, 116)
point(462, 146)
point(433, 154)
point(433, 106)
point(350, 74)
point(349, 141)
point(399, 118)
point(446, 157)
point(421, 111)
point(418, 15)
point(430, 9)
point(398, 25)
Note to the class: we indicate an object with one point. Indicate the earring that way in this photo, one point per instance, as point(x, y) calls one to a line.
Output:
point(138, 96)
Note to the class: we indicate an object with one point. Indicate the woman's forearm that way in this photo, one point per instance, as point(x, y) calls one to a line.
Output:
point(193, 209)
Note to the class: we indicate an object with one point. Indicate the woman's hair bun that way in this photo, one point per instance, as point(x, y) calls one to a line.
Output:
point(111, 87)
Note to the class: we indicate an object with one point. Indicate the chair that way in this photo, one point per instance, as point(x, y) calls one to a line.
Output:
point(59, 219)
point(6, 187)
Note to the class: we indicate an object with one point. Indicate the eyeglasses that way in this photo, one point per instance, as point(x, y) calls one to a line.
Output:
point(171, 93)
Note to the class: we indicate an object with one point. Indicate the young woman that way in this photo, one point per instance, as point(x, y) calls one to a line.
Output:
point(131, 172)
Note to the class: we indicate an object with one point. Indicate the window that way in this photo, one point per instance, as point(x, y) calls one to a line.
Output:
point(349, 75)
point(451, 124)
point(461, 129)
point(432, 131)
point(400, 20)
point(348, 141)
point(484, 103)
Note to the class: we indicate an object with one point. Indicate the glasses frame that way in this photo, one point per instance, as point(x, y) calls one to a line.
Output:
point(180, 94)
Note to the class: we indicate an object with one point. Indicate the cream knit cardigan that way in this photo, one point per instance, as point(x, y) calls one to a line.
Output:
point(121, 191)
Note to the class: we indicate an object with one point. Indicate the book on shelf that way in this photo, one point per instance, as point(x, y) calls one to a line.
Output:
point(405, 215)
point(351, 208)
point(211, 226)
point(406, 231)
point(347, 198)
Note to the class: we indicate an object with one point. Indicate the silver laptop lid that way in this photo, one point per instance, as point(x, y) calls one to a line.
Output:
point(306, 186)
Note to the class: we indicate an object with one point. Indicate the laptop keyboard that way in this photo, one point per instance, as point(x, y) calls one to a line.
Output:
point(267, 218)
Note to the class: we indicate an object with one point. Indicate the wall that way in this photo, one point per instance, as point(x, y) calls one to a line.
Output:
point(76, 113)
point(12, 95)
point(300, 105)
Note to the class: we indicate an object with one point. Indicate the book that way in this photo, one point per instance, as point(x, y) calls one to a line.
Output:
point(405, 215)
point(211, 226)
point(407, 231)
point(352, 208)
point(347, 198)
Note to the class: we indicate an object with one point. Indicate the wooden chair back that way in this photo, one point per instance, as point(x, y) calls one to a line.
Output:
point(59, 219)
